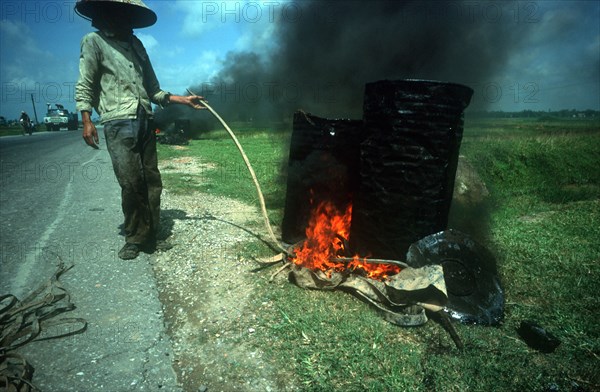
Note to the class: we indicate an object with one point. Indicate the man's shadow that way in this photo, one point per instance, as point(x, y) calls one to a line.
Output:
point(168, 218)
point(167, 222)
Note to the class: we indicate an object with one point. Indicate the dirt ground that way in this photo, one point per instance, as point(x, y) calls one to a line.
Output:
point(209, 293)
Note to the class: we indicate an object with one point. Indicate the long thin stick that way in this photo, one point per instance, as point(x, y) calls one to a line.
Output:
point(447, 325)
point(252, 173)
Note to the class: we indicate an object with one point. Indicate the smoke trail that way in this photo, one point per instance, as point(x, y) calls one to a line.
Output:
point(325, 55)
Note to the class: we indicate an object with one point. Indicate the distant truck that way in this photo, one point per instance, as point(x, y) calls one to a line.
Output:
point(59, 117)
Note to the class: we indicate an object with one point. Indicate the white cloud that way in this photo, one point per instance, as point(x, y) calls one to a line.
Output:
point(150, 43)
point(21, 55)
point(257, 37)
point(201, 69)
point(173, 51)
point(593, 48)
point(199, 17)
point(17, 37)
point(11, 29)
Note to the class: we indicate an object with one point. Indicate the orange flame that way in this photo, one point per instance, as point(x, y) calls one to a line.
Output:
point(328, 230)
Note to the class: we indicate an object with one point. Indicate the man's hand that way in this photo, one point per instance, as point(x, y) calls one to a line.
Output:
point(90, 135)
point(194, 101)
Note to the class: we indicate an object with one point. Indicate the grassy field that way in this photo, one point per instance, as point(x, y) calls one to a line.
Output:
point(12, 130)
point(544, 227)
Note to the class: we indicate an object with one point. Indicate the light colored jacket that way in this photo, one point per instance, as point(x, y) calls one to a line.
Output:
point(115, 77)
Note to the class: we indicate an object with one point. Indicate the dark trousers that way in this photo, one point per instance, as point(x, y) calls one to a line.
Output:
point(132, 148)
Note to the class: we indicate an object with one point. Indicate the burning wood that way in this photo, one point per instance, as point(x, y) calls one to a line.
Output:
point(326, 246)
point(321, 262)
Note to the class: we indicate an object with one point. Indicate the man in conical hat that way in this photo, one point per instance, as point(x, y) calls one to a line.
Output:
point(116, 79)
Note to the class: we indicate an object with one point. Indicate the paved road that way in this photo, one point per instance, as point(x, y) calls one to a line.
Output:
point(59, 200)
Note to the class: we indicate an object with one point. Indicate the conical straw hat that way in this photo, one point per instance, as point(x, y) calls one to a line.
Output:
point(138, 12)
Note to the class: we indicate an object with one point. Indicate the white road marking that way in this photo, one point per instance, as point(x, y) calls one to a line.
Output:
point(19, 283)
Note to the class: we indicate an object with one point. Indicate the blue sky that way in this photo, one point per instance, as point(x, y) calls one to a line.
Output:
point(550, 68)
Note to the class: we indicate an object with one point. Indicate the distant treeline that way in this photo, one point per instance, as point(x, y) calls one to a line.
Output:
point(565, 113)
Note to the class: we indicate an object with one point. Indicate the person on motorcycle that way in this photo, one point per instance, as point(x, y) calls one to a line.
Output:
point(26, 123)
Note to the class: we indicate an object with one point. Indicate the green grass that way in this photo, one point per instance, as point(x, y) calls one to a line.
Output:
point(544, 227)
point(266, 151)
point(9, 131)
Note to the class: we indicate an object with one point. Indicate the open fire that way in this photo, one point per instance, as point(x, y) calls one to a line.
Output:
point(326, 245)
point(322, 262)
point(389, 243)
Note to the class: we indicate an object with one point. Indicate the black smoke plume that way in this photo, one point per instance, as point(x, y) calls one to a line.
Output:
point(324, 55)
